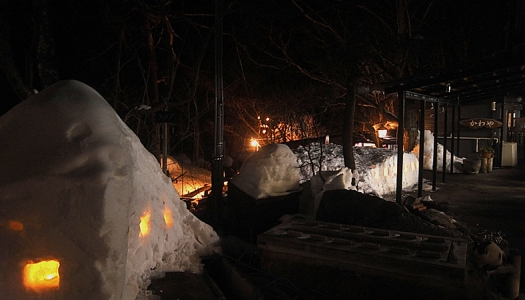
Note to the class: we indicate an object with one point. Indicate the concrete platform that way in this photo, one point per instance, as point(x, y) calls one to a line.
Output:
point(401, 264)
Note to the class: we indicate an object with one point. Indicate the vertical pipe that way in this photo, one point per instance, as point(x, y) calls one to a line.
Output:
point(445, 130)
point(165, 148)
point(421, 148)
point(459, 130)
point(217, 168)
point(401, 98)
point(435, 152)
point(452, 139)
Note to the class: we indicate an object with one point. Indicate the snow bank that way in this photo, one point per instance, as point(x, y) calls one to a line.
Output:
point(376, 167)
point(429, 155)
point(81, 189)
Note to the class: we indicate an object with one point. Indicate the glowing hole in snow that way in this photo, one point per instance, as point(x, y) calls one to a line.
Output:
point(376, 174)
point(16, 225)
point(42, 275)
point(168, 217)
point(144, 224)
point(413, 166)
point(385, 172)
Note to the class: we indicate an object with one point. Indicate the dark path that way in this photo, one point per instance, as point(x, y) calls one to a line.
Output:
point(492, 201)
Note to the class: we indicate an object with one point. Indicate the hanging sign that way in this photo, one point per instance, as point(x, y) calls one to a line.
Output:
point(164, 117)
point(480, 123)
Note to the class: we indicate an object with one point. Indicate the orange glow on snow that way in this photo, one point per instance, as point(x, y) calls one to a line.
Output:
point(16, 225)
point(144, 224)
point(42, 275)
point(168, 217)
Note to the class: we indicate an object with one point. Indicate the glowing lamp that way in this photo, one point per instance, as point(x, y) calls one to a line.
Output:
point(168, 217)
point(382, 132)
point(255, 144)
point(42, 275)
point(144, 224)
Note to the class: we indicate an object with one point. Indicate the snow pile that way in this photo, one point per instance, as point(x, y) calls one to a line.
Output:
point(272, 171)
point(81, 189)
point(376, 167)
point(429, 155)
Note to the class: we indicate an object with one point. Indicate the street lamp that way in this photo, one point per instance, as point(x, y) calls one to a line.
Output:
point(382, 132)
point(255, 144)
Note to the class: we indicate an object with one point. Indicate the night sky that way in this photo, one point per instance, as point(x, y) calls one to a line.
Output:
point(93, 39)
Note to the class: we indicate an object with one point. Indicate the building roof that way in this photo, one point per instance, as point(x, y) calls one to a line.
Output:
point(493, 77)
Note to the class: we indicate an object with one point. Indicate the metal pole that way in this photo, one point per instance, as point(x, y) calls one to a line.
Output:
point(452, 139)
point(421, 148)
point(165, 149)
point(444, 170)
point(434, 158)
point(459, 130)
point(217, 168)
point(401, 98)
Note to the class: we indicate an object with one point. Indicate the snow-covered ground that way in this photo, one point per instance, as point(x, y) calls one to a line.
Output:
point(77, 187)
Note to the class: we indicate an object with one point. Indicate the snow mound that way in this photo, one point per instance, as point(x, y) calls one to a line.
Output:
point(77, 186)
point(428, 157)
point(376, 167)
point(272, 171)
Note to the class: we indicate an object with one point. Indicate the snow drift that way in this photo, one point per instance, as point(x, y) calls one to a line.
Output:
point(77, 186)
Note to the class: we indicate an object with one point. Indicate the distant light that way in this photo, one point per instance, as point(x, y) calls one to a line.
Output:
point(254, 143)
point(267, 119)
point(382, 133)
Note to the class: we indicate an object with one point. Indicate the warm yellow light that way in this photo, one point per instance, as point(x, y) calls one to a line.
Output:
point(168, 217)
point(144, 224)
point(16, 225)
point(42, 275)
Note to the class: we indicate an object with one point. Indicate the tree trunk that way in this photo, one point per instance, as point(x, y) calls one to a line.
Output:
point(155, 90)
point(348, 127)
point(411, 124)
